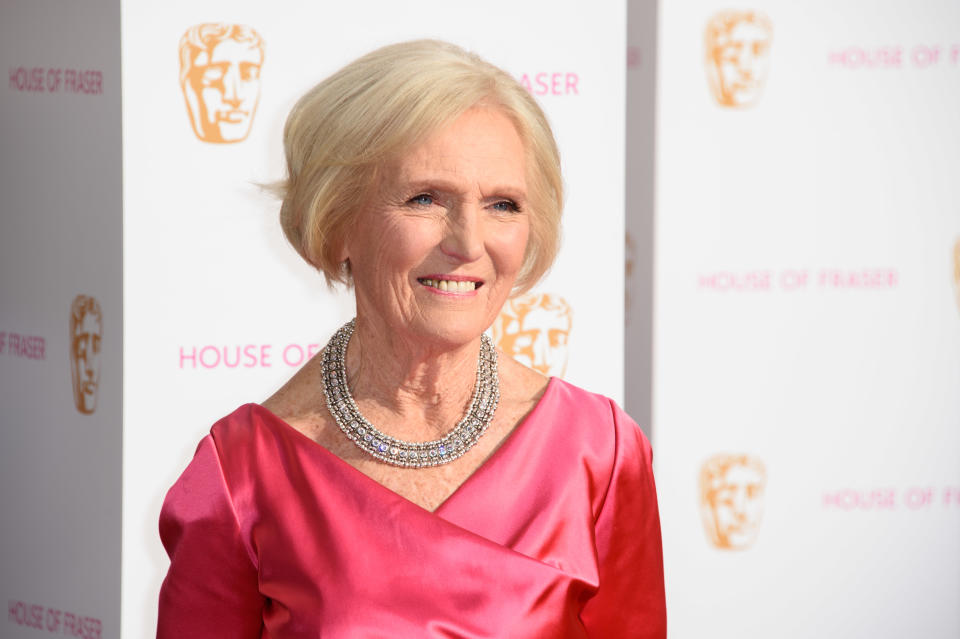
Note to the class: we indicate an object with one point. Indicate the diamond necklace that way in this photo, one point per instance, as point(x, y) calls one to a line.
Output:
point(367, 437)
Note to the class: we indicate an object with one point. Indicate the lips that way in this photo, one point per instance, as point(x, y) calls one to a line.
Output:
point(232, 117)
point(451, 283)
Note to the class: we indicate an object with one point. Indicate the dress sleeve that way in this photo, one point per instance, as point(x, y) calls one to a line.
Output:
point(211, 589)
point(630, 599)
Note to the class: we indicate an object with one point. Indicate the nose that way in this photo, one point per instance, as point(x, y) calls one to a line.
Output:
point(85, 366)
point(231, 86)
point(740, 504)
point(463, 240)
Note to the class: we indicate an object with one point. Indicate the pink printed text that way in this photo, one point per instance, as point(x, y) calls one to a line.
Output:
point(53, 620)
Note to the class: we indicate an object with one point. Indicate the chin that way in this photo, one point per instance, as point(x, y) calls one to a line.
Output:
point(450, 332)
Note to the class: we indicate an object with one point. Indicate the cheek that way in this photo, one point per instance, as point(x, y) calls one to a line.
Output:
point(211, 98)
point(390, 249)
point(509, 246)
point(249, 89)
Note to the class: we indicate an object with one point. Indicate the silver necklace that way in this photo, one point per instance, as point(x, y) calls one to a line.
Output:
point(367, 437)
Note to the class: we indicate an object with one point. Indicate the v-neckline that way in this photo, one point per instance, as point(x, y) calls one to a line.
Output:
point(348, 469)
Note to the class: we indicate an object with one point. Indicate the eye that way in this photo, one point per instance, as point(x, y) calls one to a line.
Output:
point(249, 71)
point(212, 75)
point(506, 206)
point(424, 199)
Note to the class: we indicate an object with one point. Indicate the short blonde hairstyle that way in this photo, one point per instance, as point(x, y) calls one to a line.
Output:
point(340, 134)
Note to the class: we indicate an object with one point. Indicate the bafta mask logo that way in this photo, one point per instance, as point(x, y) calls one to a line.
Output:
point(86, 333)
point(534, 329)
point(220, 78)
point(956, 271)
point(731, 499)
point(738, 48)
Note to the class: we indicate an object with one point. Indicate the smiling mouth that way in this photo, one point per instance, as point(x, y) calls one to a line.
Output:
point(451, 286)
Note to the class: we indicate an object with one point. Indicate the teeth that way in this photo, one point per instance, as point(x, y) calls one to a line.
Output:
point(452, 286)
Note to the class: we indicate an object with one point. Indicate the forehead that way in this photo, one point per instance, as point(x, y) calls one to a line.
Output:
point(229, 50)
point(741, 474)
point(747, 30)
point(481, 148)
point(90, 324)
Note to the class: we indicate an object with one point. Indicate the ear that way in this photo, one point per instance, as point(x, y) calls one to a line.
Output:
point(343, 248)
point(343, 259)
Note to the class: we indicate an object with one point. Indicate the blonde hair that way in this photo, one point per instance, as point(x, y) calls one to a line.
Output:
point(342, 131)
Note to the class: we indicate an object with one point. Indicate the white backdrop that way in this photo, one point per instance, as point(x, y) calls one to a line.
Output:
point(806, 317)
point(205, 263)
point(807, 298)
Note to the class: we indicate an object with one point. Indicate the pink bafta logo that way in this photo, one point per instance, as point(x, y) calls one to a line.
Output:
point(731, 499)
point(220, 79)
point(86, 334)
point(738, 56)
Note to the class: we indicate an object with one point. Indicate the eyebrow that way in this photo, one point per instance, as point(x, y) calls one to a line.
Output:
point(511, 191)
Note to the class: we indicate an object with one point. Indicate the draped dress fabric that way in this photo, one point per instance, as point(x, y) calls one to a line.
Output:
point(556, 534)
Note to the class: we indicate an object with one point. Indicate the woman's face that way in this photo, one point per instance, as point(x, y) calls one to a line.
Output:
point(435, 252)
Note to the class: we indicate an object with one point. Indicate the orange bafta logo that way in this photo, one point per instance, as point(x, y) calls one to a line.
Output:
point(86, 333)
point(534, 330)
point(220, 78)
point(738, 56)
point(731, 499)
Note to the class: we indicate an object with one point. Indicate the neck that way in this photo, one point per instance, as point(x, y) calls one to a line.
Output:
point(408, 387)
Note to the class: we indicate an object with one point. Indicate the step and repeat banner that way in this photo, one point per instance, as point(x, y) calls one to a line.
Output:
point(220, 310)
point(61, 321)
point(799, 263)
point(807, 318)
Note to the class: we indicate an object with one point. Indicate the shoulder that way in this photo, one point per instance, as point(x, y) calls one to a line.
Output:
point(590, 433)
point(593, 410)
point(226, 463)
point(200, 503)
point(237, 449)
point(230, 435)
point(597, 422)
point(583, 400)
point(241, 427)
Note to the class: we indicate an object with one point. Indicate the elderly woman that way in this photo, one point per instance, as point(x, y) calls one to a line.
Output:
point(410, 481)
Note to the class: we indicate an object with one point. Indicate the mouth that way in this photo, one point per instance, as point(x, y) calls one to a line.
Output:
point(456, 284)
point(232, 117)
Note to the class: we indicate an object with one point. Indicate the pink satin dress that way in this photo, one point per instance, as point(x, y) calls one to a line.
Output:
point(557, 534)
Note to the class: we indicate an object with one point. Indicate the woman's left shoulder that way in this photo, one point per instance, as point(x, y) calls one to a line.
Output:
point(589, 407)
point(589, 426)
